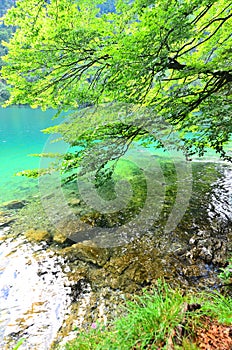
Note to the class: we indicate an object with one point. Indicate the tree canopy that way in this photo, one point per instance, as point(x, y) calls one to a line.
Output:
point(172, 57)
point(5, 34)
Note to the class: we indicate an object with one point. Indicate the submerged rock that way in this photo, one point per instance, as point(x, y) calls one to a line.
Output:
point(87, 251)
point(74, 202)
point(37, 235)
point(15, 204)
point(6, 220)
point(59, 238)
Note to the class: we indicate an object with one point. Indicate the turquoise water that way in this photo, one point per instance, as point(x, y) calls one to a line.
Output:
point(20, 135)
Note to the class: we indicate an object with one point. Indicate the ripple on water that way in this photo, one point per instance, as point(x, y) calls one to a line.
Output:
point(34, 295)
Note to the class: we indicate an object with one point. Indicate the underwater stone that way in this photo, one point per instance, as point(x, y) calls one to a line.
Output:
point(5, 220)
point(74, 202)
point(15, 204)
point(59, 237)
point(88, 252)
point(37, 235)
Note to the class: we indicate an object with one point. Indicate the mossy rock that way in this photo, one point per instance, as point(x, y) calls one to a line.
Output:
point(129, 271)
point(59, 237)
point(34, 235)
point(87, 251)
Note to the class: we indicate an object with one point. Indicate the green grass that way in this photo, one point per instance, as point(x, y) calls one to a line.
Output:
point(19, 343)
point(218, 306)
point(151, 319)
point(226, 273)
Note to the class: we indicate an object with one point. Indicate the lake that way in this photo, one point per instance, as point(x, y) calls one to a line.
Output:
point(20, 136)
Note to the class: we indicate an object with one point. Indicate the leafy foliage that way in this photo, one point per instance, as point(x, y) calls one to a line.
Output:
point(172, 57)
point(226, 273)
point(5, 34)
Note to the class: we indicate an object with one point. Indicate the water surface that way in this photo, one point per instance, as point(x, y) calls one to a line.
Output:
point(20, 135)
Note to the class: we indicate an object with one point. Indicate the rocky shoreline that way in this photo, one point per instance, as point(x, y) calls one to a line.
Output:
point(99, 280)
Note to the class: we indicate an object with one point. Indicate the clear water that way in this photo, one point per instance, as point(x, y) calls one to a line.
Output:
point(20, 135)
